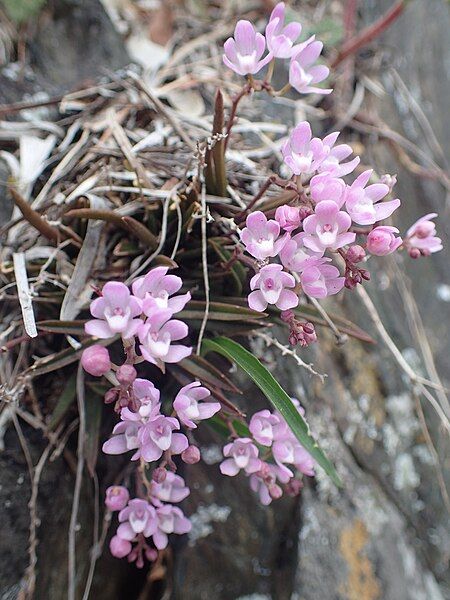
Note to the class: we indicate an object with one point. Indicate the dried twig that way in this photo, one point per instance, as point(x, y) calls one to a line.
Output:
point(285, 351)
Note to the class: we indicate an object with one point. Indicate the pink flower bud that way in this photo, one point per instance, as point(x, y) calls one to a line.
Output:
point(355, 254)
point(151, 554)
point(382, 241)
point(287, 315)
point(389, 180)
point(275, 491)
point(191, 455)
point(111, 396)
point(159, 474)
point(294, 487)
point(117, 497)
point(288, 217)
point(95, 360)
point(414, 253)
point(126, 374)
point(119, 547)
point(304, 212)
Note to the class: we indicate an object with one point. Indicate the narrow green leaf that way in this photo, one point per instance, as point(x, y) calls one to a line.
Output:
point(219, 425)
point(275, 394)
point(65, 401)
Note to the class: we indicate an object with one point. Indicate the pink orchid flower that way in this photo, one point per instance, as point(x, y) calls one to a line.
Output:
point(172, 489)
point(260, 236)
point(381, 240)
point(301, 152)
point(327, 187)
point(114, 312)
point(363, 203)
point(261, 426)
point(302, 74)
point(321, 280)
point(269, 287)
point(190, 406)
point(288, 217)
point(157, 287)
point(243, 52)
point(241, 454)
point(332, 162)
point(264, 482)
point(157, 335)
point(170, 519)
point(295, 256)
point(422, 236)
point(327, 228)
point(125, 435)
point(280, 37)
point(138, 517)
point(148, 396)
point(157, 436)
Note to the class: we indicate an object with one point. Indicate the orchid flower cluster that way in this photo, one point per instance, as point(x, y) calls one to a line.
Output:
point(143, 317)
point(329, 220)
point(243, 53)
point(265, 456)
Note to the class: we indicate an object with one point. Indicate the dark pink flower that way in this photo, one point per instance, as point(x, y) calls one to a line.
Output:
point(321, 280)
point(269, 287)
point(382, 240)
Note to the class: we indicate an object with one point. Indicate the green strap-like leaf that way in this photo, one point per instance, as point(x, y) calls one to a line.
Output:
point(275, 394)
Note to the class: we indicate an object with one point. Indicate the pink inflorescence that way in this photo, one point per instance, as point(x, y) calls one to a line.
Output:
point(271, 438)
point(243, 53)
point(329, 218)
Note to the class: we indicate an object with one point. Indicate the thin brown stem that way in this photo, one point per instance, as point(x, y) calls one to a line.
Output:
point(369, 33)
point(245, 90)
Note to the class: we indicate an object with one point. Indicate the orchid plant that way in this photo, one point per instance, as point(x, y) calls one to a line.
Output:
point(314, 246)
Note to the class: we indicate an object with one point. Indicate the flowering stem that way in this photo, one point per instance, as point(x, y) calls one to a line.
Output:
point(245, 90)
point(270, 70)
point(241, 216)
point(283, 90)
